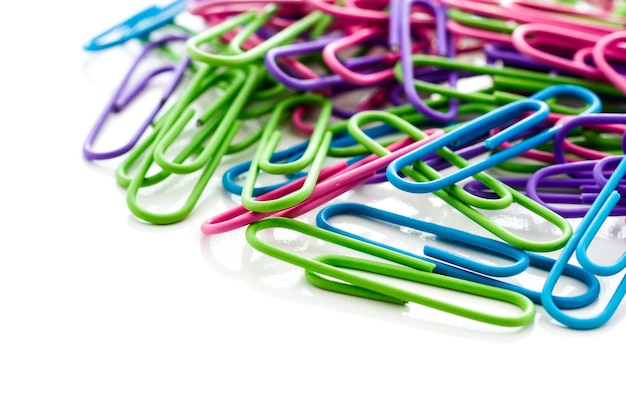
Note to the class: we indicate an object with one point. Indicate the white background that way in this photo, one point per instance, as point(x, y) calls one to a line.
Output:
point(103, 315)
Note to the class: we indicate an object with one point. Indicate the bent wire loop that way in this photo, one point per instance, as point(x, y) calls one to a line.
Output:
point(235, 55)
point(313, 155)
point(409, 268)
point(452, 264)
point(444, 48)
point(569, 197)
point(599, 53)
point(360, 36)
point(137, 26)
point(230, 100)
point(579, 244)
point(122, 98)
point(482, 125)
point(225, 127)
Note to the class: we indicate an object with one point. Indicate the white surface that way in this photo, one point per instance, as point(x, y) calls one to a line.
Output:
point(102, 315)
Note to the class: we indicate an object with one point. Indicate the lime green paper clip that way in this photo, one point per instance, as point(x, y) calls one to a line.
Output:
point(397, 265)
point(312, 157)
point(223, 130)
point(251, 21)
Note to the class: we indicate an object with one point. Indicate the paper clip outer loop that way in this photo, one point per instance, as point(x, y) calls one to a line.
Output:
point(463, 267)
point(598, 220)
point(466, 133)
point(136, 26)
point(313, 156)
point(410, 268)
point(581, 237)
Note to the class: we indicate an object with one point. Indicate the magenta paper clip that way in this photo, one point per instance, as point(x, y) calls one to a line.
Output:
point(561, 45)
point(600, 52)
point(333, 181)
point(119, 101)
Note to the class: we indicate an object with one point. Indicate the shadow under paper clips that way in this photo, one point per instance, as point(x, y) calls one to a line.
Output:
point(287, 282)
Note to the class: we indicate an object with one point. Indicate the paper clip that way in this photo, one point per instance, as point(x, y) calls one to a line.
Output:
point(512, 78)
point(463, 267)
point(230, 100)
point(359, 37)
point(579, 243)
point(605, 119)
point(482, 125)
point(253, 20)
point(409, 268)
point(313, 81)
point(137, 26)
point(226, 129)
point(599, 53)
point(560, 40)
point(586, 186)
point(313, 155)
point(444, 48)
point(119, 101)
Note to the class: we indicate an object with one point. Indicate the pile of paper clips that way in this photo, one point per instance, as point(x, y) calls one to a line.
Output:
point(550, 115)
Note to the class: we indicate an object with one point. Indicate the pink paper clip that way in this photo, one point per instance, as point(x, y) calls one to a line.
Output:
point(333, 182)
point(359, 37)
point(556, 39)
point(602, 50)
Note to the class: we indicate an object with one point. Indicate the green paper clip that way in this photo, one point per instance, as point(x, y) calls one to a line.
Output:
point(312, 157)
point(251, 21)
point(226, 129)
point(398, 266)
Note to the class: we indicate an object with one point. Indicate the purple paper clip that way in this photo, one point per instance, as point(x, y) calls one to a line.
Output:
point(119, 101)
point(401, 34)
point(570, 197)
point(584, 120)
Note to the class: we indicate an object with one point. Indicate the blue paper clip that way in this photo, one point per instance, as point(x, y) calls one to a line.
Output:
point(482, 125)
point(136, 26)
point(579, 242)
point(451, 264)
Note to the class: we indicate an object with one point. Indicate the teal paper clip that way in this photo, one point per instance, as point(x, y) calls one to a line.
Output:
point(579, 242)
point(137, 26)
point(463, 267)
point(482, 125)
